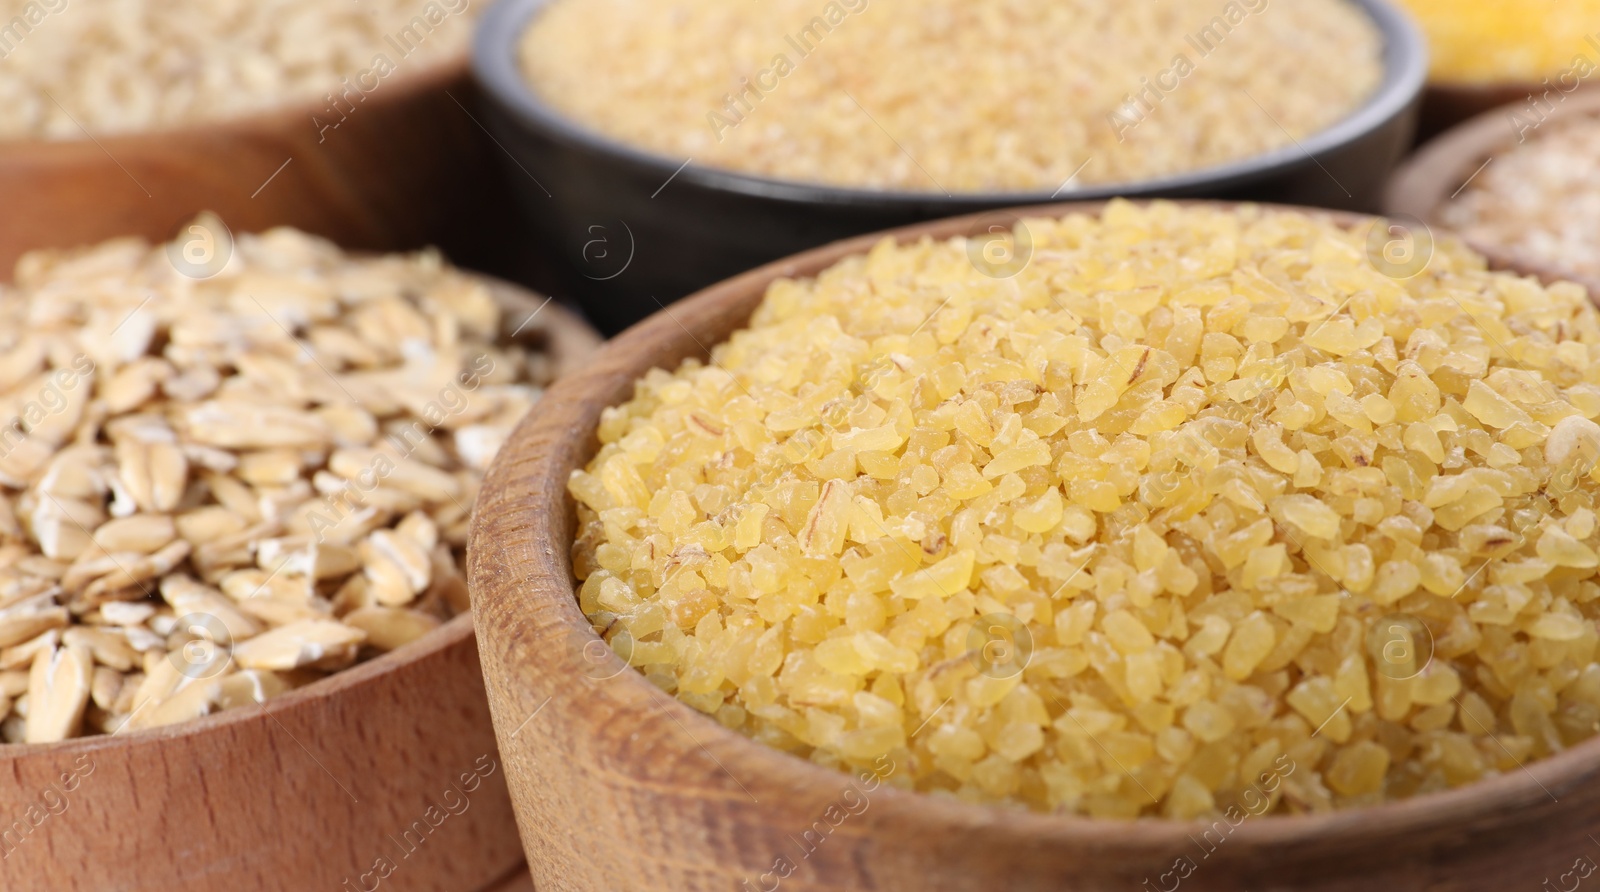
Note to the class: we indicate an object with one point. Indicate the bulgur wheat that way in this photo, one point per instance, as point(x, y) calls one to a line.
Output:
point(1196, 502)
point(934, 95)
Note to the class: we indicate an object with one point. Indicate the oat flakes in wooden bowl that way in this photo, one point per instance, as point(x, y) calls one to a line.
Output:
point(126, 117)
point(233, 509)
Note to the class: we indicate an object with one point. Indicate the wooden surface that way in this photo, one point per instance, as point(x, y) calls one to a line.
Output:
point(1425, 182)
point(619, 786)
point(306, 792)
point(408, 167)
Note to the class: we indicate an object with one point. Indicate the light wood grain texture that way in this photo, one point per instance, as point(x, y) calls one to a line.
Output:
point(407, 167)
point(619, 786)
point(306, 792)
point(1426, 182)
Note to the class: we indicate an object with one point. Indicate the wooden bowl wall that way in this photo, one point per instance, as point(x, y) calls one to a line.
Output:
point(386, 773)
point(618, 785)
point(409, 167)
point(1444, 105)
point(1428, 180)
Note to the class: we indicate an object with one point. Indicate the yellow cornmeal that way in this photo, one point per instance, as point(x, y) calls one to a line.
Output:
point(1482, 41)
point(954, 95)
point(1196, 508)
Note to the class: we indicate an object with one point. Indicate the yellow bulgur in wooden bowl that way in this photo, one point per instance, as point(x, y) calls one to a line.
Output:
point(1121, 513)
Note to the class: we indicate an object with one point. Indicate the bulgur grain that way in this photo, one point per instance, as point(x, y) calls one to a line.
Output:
point(1197, 499)
point(951, 95)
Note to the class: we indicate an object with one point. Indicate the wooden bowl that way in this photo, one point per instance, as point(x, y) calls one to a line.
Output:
point(618, 785)
point(1429, 179)
point(409, 167)
point(310, 791)
point(518, 882)
point(1444, 105)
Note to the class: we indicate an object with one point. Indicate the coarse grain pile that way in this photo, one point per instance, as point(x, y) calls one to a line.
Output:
point(1198, 511)
point(937, 95)
point(213, 491)
point(1487, 41)
point(113, 66)
point(1540, 200)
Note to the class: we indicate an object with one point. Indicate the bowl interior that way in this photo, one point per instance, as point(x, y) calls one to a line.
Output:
point(496, 62)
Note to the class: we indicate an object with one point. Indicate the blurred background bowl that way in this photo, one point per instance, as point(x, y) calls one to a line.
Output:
point(409, 167)
point(1490, 53)
point(618, 785)
point(635, 231)
point(1429, 179)
point(1444, 105)
point(385, 773)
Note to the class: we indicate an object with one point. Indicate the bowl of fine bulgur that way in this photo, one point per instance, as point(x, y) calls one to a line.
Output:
point(1208, 544)
point(666, 146)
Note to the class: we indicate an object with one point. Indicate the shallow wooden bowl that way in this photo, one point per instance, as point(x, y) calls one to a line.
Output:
point(392, 759)
point(1428, 180)
point(620, 786)
point(409, 167)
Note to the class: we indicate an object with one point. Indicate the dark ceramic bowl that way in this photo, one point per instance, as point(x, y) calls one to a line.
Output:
point(638, 230)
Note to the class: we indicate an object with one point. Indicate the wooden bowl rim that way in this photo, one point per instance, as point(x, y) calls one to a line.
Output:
point(496, 54)
point(454, 632)
point(1478, 89)
point(564, 324)
point(404, 83)
point(542, 645)
point(1424, 183)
